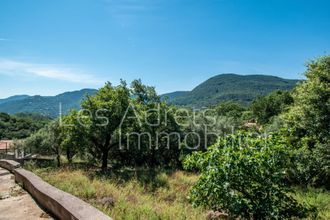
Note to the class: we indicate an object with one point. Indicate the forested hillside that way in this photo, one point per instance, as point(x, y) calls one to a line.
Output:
point(230, 87)
point(265, 160)
point(45, 105)
point(13, 98)
point(21, 125)
point(224, 87)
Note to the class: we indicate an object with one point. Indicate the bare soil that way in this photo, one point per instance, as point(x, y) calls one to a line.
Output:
point(15, 202)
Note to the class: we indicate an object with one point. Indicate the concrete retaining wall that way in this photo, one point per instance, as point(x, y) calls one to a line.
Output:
point(61, 204)
point(9, 165)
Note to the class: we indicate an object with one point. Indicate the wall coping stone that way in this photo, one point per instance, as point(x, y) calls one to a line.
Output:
point(59, 203)
point(9, 164)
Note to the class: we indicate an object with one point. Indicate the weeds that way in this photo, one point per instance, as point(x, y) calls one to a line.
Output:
point(134, 193)
point(318, 199)
point(148, 194)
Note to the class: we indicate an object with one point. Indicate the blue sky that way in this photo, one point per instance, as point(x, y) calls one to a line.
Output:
point(48, 47)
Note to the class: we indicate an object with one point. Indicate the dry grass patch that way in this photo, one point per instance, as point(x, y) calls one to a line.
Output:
point(128, 194)
point(149, 194)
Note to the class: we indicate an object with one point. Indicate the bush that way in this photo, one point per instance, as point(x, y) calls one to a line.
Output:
point(265, 108)
point(243, 175)
point(308, 123)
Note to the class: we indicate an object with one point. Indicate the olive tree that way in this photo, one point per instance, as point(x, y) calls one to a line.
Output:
point(103, 113)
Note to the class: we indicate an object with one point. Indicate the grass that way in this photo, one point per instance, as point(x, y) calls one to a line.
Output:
point(149, 194)
point(133, 194)
point(318, 198)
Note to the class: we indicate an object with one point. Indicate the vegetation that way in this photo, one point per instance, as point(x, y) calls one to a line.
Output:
point(230, 87)
point(44, 105)
point(243, 175)
point(266, 107)
point(308, 125)
point(105, 112)
point(135, 194)
point(312, 198)
point(230, 109)
point(225, 87)
point(13, 98)
point(21, 125)
point(128, 193)
point(246, 173)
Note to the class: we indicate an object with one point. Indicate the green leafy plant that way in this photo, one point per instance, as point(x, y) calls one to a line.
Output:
point(308, 124)
point(243, 175)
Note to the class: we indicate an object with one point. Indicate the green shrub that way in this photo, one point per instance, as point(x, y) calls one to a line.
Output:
point(243, 175)
point(317, 199)
point(307, 125)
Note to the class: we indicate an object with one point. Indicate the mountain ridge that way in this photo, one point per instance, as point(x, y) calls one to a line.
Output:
point(230, 87)
point(219, 88)
point(45, 105)
point(13, 98)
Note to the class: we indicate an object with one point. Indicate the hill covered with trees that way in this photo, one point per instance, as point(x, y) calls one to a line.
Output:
point(220, 88)
point(252, 161)
point(230, 87)
point(45, 105)
point(21, 125)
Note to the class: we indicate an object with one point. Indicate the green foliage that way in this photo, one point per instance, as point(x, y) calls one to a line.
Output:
point(243, 175)
point(74, 135)
point(230, 87)
point(311, 164)
point(308, 125)
point(21, 125)
point(230, 109)
point(266, 107)
point(135, 193)
point(36, 143)
point(47, 141)
point(207, 126)
point(318, 199)
point(150, 132)
point(104, 112)
point(310, 114)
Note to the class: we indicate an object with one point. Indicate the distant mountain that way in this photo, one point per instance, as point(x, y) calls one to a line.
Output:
point(225, 87)
point(173, 95)
point(13, 98)
point(45, 105)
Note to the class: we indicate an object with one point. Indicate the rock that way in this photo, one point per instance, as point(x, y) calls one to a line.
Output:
point(5, 196)
point(216, 215)
point(132, 199)
point(44, 215)
point(107, 201)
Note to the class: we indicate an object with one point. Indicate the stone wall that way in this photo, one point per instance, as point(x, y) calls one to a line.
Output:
point(9, 165)
point(61, 204)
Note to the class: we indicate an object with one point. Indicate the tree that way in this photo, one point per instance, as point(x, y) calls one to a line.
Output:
point(21, 125)
point(151, 135)
point(47, 141)
point(35, 143)
point(54, 139)
point(74, 135)
point(230, 109)
point(243, 175)
point(308, 124)
point(104, 112)
point(266, 107)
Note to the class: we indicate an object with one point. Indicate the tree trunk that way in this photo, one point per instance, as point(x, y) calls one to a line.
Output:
point(105, 154)
point(58, 158)
point(68, 155)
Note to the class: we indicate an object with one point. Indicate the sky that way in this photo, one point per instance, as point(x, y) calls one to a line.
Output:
point(49, 47)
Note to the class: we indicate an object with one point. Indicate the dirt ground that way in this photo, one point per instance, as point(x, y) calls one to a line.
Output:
point(15, 202)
